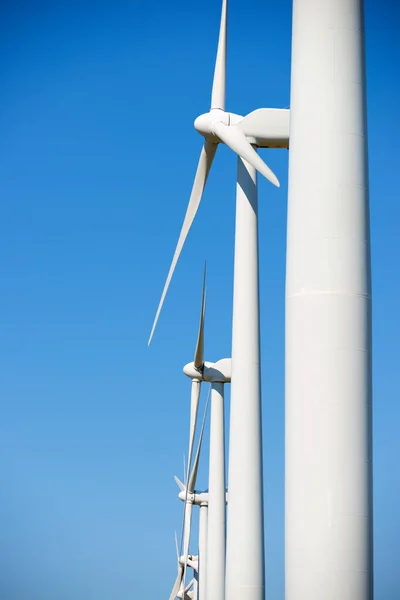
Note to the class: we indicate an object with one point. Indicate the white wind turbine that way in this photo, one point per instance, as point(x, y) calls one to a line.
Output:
point(265, 127)
point(188, 497)
point(261, 128)
point(212, 535)
point(197, 563)
point(212, 578)
point(212, 503)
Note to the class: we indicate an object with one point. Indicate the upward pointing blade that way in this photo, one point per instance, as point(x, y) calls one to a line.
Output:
point(176, 547)
point(203, 169)
point(199, 353)
point(219, 83)
point(236, 140)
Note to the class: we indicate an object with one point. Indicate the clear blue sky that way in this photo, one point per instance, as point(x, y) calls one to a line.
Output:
point(97, 158)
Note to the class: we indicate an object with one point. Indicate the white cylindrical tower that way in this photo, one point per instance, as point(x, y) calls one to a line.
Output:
point(328, 523)
point(245, 522)
point(203, 527)
point(216, 498)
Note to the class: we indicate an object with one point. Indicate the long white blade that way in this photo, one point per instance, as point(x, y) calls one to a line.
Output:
point(193, 475)
point(176, 547)
point(219, 83)
point(194, 407)
point(192, 481)
point(199, 352)
point(236, 140)
point(203, 169)
point(188, 522)
point(178, 582)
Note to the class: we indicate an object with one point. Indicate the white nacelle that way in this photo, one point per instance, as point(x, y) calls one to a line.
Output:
point(212, 372)
point(267, 127)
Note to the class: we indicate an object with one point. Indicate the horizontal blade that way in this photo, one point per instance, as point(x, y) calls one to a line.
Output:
point(199, 353)
point(236, 140)
point(219, 83)
point(193, 474)
point(203, 169)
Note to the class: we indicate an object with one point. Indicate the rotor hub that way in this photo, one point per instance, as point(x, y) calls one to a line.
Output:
point(204, 123)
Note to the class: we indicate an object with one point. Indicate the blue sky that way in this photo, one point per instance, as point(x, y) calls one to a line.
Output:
point(97, 158)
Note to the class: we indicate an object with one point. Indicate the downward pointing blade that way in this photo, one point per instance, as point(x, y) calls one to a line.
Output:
point(193, 474)
point(219, 83)
point(236, 140)
point(194, 406)
point(177, 584)
point(188, 522)
point(187, 514)
point(199, 353)
point(203, 169)
point(190, 489)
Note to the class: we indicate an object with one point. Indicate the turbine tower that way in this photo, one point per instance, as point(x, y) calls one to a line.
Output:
point(328, 513)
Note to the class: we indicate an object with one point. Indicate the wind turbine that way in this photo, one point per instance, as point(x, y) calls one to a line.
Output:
point(188, 496)
point(217, 374)
point(264, 128)
point(212, 573)
point(261, 128)
point(328, 455)
point(199, 563)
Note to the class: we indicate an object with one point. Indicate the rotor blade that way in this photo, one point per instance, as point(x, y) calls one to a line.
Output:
point(236, 140)
point(193, 474)
point(188, 522)
point(176, 546)
point(203, 169)
point(179, 483)
point(199, 353)
point(185, 477)
point(178, 582)
point(194, 406)
point(219, 83)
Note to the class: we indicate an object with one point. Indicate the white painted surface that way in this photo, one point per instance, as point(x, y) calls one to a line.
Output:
point(328, 310)
point(203, 529)
point(216, 498)
point(245, 524)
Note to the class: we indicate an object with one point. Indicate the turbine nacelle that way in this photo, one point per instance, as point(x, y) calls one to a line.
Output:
point(198, 498)
point(219, 372)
